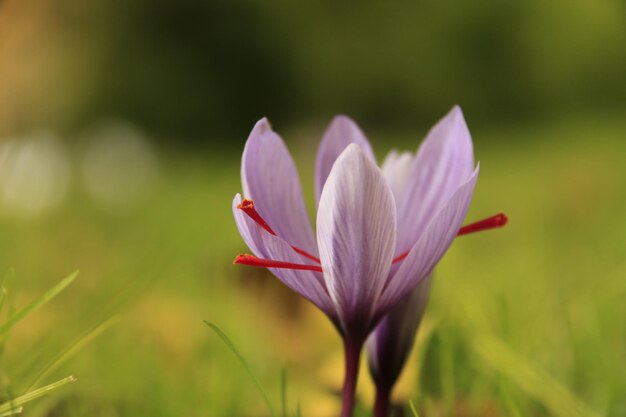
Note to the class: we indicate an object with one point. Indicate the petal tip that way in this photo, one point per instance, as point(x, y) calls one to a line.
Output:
point(342, 118)
point(263, 125)
point(353, 149)
point(237, 201)
point(343, 126)
point(258, 135)
point(457, 114)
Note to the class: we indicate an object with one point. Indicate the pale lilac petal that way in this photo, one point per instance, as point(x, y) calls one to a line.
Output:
point(396, 168)
point(309, 284)
point(270, 178)
point(388, 347)
point(356, 234)
point(341, 132)
point(444, 161)
point(431, 246)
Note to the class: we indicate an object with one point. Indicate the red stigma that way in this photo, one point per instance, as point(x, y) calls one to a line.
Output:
point(306, 254)
point(492, 222)
point(401, 257)
point(247, 206)
point(251, 260)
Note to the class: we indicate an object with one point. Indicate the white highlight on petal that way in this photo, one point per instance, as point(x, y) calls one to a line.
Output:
point(396, 169)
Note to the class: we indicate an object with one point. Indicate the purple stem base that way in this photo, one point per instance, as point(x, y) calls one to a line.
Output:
point(383, 401)
point(352, 352)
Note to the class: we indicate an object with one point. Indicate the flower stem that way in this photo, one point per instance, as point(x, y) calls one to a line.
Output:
point(383, 401)
point(352, 351)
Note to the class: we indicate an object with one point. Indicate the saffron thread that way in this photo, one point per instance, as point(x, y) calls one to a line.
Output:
point(492, 222)
point(251, 260)
point(247, 206)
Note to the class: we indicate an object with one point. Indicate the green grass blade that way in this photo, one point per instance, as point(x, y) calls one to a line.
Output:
point(413, 410)
point(37, 303)
point(13, 405)
point(510, 406)
point(12, 412)
point(3, 298)
point(3, 291)
point(447, 372)
point(229, 344)
point(74, 348)
point(543, 388)
point(283, 390)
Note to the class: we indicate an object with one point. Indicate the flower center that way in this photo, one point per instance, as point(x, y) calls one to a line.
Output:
point(247, 206)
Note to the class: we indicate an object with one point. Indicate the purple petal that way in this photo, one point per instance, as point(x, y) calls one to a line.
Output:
point(270, 178)
point(309, 284)
point(341, 132)
point(444, 161)
point(356, 234)
point(390, 344)
point(431, 246)
point(396, 168)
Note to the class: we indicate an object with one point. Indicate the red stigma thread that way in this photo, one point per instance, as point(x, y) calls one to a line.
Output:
point(492, 222)
point(251, 260)
point(247, 206)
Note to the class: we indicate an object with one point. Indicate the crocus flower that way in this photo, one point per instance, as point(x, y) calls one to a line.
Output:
point(378, 235)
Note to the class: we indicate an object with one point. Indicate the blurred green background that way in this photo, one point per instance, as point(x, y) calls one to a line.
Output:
point(121, 129)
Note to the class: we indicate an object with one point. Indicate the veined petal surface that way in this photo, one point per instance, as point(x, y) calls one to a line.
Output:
point(264, 245)
point(444, 161)
point(270, 178)
point(341, 132)
point(356, 235)
point(431, 246)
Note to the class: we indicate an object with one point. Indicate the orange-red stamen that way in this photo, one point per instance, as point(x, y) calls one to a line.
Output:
point(247, 206)
point(400, 257)
point(251, 260)
point(492, 222)
point(306, 254)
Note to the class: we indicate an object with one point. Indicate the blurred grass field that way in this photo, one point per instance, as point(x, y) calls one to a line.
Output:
point(523, 321)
